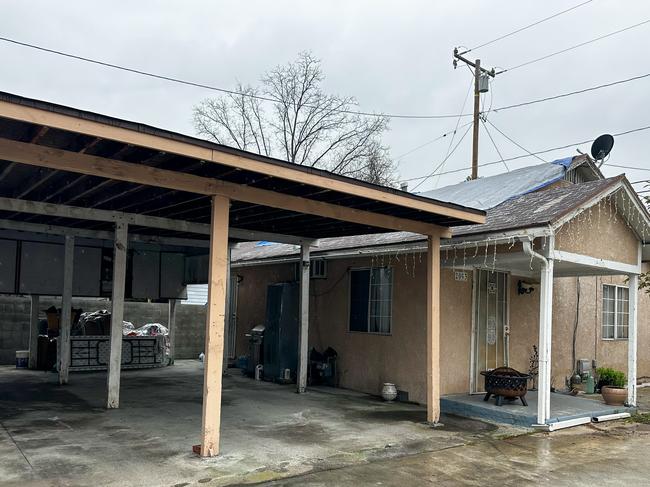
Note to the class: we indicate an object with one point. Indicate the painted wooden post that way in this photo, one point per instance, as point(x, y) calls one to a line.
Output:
point(117, 315)
point(33, 331)
point(171, 324)
point(303, 331)
point(65, 322)
point(545, 340)
point(632, 339)
point(433, 329)
point(215, 323)
point(549, 336)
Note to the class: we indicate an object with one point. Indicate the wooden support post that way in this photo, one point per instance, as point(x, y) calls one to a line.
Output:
point(65, 322)
point(226, 326)
point(632, 339)
point(117, 314)
point(33, 331)
point(545, 340)
point(214, 332)
point(303, 330)
point(171, 325)
point(433, 329)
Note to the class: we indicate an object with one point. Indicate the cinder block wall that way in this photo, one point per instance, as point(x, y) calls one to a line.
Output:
point(15, 310)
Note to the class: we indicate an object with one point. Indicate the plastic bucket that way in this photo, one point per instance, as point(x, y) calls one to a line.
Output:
point(22, 359)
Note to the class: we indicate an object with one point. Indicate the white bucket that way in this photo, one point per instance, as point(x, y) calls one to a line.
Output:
point(22, 359)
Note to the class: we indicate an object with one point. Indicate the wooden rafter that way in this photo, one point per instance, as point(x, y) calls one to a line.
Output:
point(138, 138)
point(135, 173)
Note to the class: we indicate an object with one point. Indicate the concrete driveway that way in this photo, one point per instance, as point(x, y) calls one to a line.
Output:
point(54, 435)
point(614, 454)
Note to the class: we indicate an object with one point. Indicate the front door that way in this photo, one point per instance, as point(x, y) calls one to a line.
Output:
point(491, 329)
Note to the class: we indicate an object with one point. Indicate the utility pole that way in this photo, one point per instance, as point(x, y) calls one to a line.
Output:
point(480, 86)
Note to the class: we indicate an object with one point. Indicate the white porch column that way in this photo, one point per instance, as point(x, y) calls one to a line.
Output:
point(171, 324)
point(632, 339)
point(433, 329)
point(33, 331)
point(303, 333)
point(215, 322)
point(65, 322)
point(545, 342)
point(117, 315)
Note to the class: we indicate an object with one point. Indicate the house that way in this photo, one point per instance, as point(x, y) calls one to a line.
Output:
point(561, 246)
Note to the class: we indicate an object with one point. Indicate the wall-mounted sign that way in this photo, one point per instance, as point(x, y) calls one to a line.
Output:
point(460, 276)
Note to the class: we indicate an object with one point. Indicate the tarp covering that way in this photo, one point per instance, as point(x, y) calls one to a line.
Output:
point(486, 193)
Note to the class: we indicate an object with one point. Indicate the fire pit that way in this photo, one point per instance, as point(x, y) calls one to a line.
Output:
point(505, 383)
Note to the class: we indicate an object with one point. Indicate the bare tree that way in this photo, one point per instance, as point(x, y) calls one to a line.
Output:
point(301, 123)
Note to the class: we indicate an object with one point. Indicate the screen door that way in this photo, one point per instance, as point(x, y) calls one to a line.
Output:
point(491, 330)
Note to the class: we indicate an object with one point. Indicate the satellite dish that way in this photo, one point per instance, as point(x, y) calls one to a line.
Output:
point(602, 147)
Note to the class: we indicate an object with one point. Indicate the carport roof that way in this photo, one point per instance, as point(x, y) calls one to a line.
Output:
point(38, 141)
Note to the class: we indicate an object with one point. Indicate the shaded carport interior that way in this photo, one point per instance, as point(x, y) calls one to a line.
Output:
point(76, 174)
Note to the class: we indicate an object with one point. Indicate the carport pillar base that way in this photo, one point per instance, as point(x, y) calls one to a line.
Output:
point(33, 331)
point(117, 315)
point(303, 332)
point(215, 324)
point(65, 322)
point(171, 322)
point(433, 329)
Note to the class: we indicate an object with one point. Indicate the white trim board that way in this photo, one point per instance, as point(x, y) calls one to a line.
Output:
point(623, 268)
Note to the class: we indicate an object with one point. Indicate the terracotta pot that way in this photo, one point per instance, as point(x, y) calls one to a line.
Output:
point(614, 396)
point(389, 392)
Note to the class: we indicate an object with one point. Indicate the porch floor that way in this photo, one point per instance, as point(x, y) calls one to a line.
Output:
point(563, 407)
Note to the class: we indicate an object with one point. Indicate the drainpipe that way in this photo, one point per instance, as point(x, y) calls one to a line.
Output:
point(545, 328)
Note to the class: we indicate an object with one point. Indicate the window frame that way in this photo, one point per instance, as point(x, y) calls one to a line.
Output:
point(615, 312)
point(349, 307)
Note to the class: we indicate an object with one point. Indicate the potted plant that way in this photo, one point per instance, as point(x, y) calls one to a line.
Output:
point(612, 386)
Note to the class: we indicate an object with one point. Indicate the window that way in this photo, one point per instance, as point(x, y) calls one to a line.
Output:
point(371, 293)
point(616, 311)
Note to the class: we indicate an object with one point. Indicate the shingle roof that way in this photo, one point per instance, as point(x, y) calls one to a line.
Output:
point(538, 208)
point(535, 209)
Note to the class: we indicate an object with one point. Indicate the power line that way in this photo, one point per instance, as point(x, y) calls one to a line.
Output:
point(523, 156)
point(209, 87)
point(627, 167)
point(495, 145)
point(570, 93)
point(272, 100)
point(425, 178)
point(453, 137)
point(527, 27)
point(514, 142)
point(576, 46)
point(401, 156)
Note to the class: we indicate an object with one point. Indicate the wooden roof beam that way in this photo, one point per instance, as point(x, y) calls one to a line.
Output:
point(79, 213)
point(201, 151)
point(150, 176)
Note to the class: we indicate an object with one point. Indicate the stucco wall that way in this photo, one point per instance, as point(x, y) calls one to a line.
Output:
point(600, 234)
point(366, 360)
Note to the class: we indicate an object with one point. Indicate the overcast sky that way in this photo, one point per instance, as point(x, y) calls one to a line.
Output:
point(394, 57)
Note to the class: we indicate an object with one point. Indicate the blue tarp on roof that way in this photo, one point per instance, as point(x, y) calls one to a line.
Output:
point(486, 193)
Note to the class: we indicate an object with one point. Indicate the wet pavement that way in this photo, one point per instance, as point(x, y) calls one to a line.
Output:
point(611, 454)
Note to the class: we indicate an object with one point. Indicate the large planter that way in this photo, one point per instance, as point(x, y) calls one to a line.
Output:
point(614, 396)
